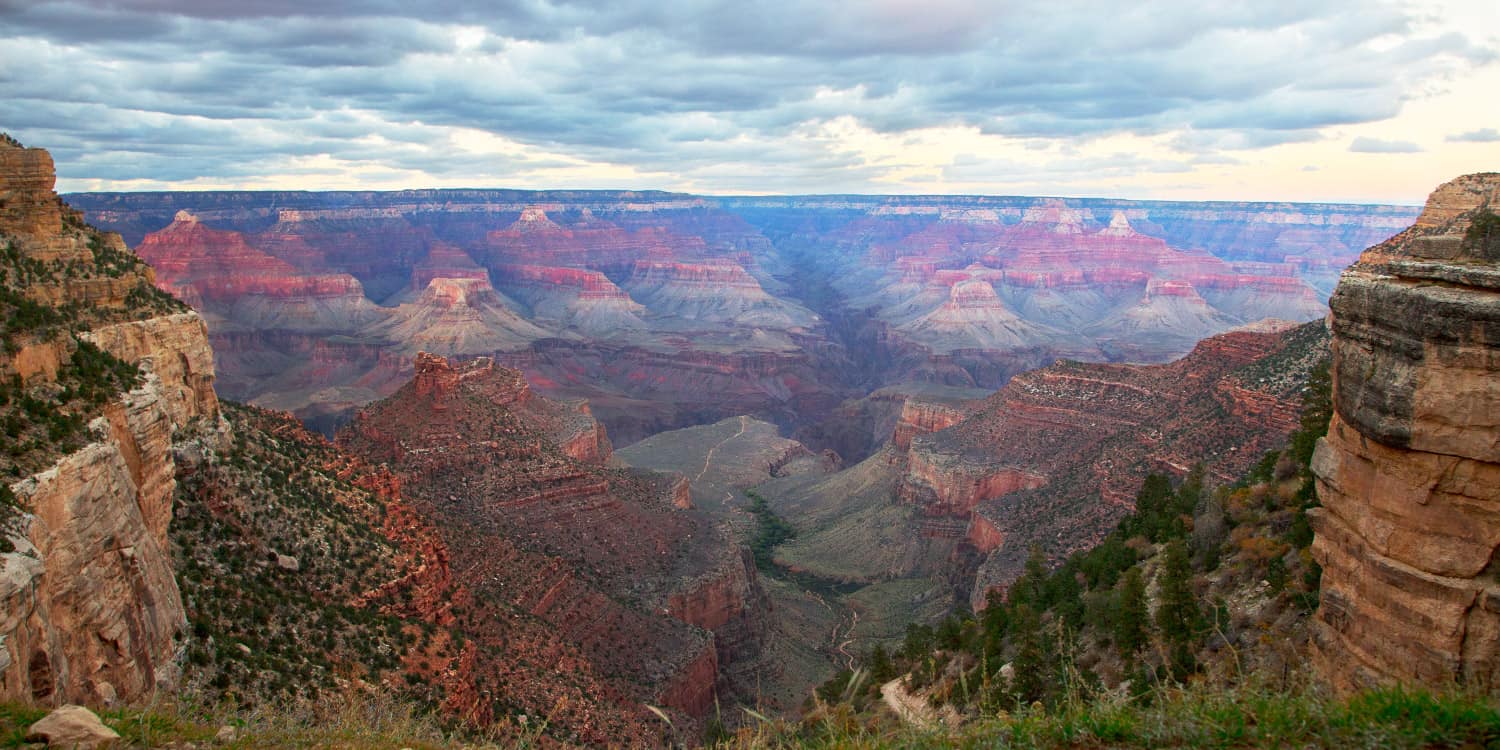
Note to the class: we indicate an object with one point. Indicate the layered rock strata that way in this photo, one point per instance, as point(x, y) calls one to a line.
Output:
point(648, 598)
point(1409, 474)
point(89, 608)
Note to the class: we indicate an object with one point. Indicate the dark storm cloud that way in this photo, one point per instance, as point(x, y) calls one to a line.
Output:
point(183, 89)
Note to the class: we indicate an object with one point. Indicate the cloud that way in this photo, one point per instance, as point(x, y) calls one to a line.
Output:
point(714, 93)
point(1482, 135)
point(1363, 145)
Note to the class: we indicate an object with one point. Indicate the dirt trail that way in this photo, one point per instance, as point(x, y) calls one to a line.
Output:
point(708, 458)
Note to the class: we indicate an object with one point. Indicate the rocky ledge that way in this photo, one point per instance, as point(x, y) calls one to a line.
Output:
point(1409, 475)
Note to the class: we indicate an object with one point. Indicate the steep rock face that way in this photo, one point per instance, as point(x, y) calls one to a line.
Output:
point(603, 559)
point(28, 207)
point(850, 294)
point(91, 611)
point(220, 273)
point(1409, 471)
point(1055, 457)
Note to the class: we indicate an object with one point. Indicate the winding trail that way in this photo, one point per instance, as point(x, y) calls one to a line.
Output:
point(708, 458)
point(843, 646)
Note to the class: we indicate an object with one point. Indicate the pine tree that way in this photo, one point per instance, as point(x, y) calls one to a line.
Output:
point(1030, 588)
point(1133, 620)
point(881, 668)
point(993, 624)
point(1030, 662)
point(1152, 506)
point(1177, 615)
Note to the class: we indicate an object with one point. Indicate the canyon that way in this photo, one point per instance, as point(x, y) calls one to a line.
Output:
point(668, 310)
point(921, 390)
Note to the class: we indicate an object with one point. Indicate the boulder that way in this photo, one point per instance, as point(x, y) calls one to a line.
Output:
point(73, 727)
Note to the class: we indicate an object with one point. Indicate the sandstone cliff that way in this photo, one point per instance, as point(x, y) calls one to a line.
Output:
point(1409, 474)
point(563, 558)
point(89, 607)
point(666, 311)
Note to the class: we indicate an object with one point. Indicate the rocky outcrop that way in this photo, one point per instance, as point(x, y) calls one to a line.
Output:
point(635, 589)
point(89, 607)
point(1409, 474)
point(1055, 457)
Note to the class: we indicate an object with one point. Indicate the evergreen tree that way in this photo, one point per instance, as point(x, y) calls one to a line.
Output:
point(1030, 662)
point(1030, 588)
point(1177, 614)
point(1153, 505)
point(950, 634)
point(881, 668)
point(1189, 496)
point(1133, 620)
point(992, 624)
point(1065, 596)
point(918, 642)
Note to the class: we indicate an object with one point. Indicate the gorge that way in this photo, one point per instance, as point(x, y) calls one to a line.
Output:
point(563, 422)
point(668, 310)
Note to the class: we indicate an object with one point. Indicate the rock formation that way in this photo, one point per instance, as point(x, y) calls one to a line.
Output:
point(667, 310)
point(645, 598)
point(1054, 459)
point(89, 607)
point(1409, 474)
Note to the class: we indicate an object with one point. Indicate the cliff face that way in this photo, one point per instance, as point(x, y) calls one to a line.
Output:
point(648, 601)
point(666, 311)
point(1409, 474)
point(89, 608)
point(1055, 457)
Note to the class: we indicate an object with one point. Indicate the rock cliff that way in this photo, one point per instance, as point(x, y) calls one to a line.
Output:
point(666, 311)
point(649, 600)
point(121, 378)
point(1409, 474)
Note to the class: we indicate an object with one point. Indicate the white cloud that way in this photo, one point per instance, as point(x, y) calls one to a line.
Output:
point(714, 95)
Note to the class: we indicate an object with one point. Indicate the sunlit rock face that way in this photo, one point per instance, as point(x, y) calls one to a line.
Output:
point(1409, 474)
point(90, 610)
point(671, 310)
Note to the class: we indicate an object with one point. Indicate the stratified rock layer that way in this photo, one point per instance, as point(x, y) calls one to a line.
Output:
point(647, 601)
point(666, 311)
point(89, 608)
point(1409, 475)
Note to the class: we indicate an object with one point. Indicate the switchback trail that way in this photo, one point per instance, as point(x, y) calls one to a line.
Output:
point(708, 458)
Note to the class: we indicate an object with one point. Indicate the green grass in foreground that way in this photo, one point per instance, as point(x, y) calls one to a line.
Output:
point(1179, 718)
point(346, 720)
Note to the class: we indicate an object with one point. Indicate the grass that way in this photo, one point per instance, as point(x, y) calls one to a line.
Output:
point(347, 719)
point(1178, 718)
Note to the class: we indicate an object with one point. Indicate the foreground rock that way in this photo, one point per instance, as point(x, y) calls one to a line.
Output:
point(72, 727)
point(1409, 475)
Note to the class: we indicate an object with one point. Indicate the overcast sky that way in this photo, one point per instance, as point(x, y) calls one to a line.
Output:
point(1269, 99)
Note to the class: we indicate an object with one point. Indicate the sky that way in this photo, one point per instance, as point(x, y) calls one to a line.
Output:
point(1298, 100)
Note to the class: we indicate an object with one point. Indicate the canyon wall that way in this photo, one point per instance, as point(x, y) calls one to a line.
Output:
point(670, 310)
point(651, 601)
point(90, 610)
point(1409, 474)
